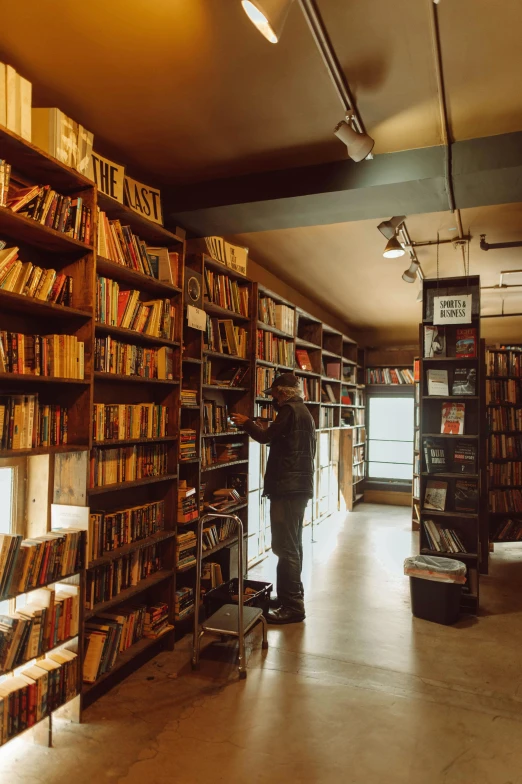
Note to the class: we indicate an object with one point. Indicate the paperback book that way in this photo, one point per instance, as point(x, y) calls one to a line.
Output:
point(466, 345)
point(465, 457)
point(464, 381)
point(453, 418)
point(438, 382)
point(435, 496)
point(434, 341)
point(435, 456)
point(466, 495)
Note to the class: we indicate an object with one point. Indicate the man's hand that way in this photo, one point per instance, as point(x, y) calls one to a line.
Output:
point(238, 419)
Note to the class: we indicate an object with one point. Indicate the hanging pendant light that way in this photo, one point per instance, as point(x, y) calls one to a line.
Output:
point(358, 145)
point(268, 16)
point(410, 275)
point(393, 249)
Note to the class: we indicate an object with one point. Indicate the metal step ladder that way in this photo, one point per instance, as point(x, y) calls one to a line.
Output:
point(230, 620)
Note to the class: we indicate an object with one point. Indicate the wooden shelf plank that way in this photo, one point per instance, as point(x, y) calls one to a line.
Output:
point(18, 303)
point(225, 388)
point(279, 332)
point(217, 310)
point(131, 441)
point(28, 378)
point(229, 357)
point(130, 335)
point(127, 485)
point(118, 378)
point(225, 433)
point(134, 278)
point(215, 466)
point(44, 450)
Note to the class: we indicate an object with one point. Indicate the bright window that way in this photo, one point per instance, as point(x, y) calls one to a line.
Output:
point(390, 452)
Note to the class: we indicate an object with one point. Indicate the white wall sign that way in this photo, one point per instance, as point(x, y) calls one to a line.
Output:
point(452, 310)
point(143, 199)
point(196, 318)
point(108, 176)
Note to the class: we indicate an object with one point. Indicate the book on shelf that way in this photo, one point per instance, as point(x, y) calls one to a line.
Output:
point(416, 370)
point(264, 379)
point(507, 362)
point(435, 455)
point(189, 397)
point(164, 264)
point(332, 369)
point(124, 359)
point(466, 342)
point(15, 104)
point(117, 421)
point(509, 531)
point(212, 574)
point(466, 495)
point(327, 394)
point(505, 391)
point(156, 620)
point(120, 307)
point(66, 214)
point(224, 499)
point(183, 603)
point(187, 509)
point(215, 452)
point(434, 341)
point(109, 634)
point(464, 381)
point(29, 280)
point(215, 417)
point(437, 382)
point(228, 376)
point(508, 474)
point(303, 359)
point(453, 418)
point(5, 173)
point(274, 349)
point(127, 464)
point(223, 337)
point(56, 356)
point(505, 501)
point(120, 245)
point(503, 446)
point(218, 532)
point(25, 423)
point(435, 495)
point(504, 418)
point(63, 138)
point(310, 388)
point(465, 457)
point(281, 317)
point(388, 375)
point(442, 540)
point(113, 529)
point(326, 417)
point(187, 443)
point(226, 292)
point(186, 547)
point(108, 580)
point(264, 412)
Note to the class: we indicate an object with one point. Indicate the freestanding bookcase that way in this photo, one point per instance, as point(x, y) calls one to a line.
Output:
point(470, 526)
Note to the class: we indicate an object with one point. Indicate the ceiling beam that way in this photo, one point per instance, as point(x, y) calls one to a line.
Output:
point(485, 171)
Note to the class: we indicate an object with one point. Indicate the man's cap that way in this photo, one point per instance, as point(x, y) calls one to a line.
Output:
point(283, 380)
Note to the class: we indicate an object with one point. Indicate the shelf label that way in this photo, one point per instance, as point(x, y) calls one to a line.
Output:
point(143, 199)
point(196, 318)
point(452, 310)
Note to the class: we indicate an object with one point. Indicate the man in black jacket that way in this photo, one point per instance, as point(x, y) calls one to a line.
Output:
point(289, 481)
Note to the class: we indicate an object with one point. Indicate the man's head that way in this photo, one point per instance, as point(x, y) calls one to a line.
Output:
point(284, 387)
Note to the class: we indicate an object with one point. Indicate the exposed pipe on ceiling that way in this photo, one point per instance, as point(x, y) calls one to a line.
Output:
point(443, 110)
point(495, 245)
point(336, 73)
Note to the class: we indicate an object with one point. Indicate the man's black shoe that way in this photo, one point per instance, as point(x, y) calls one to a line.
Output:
point(275, 603)
point(284, 615)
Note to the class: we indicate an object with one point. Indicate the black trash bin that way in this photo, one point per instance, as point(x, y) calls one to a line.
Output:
point(435, 588)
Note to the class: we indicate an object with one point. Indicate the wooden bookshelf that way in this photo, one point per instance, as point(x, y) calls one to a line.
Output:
point(417, 456)
point(470, 526)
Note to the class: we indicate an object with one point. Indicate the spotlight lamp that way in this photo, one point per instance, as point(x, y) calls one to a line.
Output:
point(393, 249)
point(358, 145)
point(410, 275)
point(389, 228)
point(269, 16)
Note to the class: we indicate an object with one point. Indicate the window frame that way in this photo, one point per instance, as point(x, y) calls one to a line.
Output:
point(389, 391)
point(18, 518)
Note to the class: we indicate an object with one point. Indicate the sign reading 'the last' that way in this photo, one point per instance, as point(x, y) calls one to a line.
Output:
point(452, 309)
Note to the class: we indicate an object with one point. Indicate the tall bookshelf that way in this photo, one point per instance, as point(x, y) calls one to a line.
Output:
point(504, 449)
point(470, 526)
point(415, 496)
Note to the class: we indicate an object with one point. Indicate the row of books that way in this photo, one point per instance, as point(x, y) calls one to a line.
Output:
point(109, 634)
point(123, 308)
point(225, 376)
point(227, 293)
point(189, 397)
point(186, 545)
point(281, 317)
point(110, 530)
point(264, 379)
point(25, 423)
point(30, 563)
point(504, 418)
point(505, 500)
point(264, 410)
point(226, 499)
point(215, 417)
point(327, 417)
point(327, 394)
point(508, 391)
point(56, 356)
point(50, 617)
point(505, 473)
point(442, 540)
point(124, 422)
point(118, 244)
point(66, 214)
point(358, 471)
point(351, 397)
point(501, 445)
point(63, 138)
point(211, 575)
point(5, 173)
point(187, 443)
point(389, 376)
point(224, 337)
point(109, 580)
point(464, 381)
point(310, 388)
point(183, 603)
point(358, 454)
point(509, 531)
point(187, 508)
point(214, 535)
point(504, 363)
point(156, 621)
point(37, 691)
point(127, 464)
point(23, 277)
point(125, 359)
point(215, 451)
point(465, 498)
point(459, 457)
point(435, 344)
point(270, 348)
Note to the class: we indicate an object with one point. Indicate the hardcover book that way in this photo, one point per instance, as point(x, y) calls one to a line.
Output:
point(465, 457)
point(466, 495)
point(466, 345)
point(434, 342)
point(435, 496)
point(303, 360)
point(464, 381)
point(453, 418)
point(438, 382)
point(435, 455)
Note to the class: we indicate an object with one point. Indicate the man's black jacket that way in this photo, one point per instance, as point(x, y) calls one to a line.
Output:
point(290, 466)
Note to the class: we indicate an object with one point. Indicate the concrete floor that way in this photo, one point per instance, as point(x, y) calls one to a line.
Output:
point(360, 693)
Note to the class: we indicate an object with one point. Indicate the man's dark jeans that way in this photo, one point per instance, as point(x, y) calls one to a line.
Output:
point(286, 518)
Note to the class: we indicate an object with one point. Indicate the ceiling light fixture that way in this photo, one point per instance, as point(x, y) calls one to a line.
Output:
point(389, 227)
point(393, 249)
point(359, 145)
point(269, 16)
point(410, 275)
